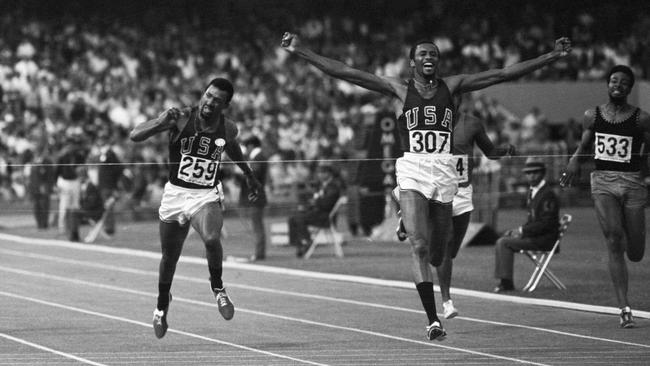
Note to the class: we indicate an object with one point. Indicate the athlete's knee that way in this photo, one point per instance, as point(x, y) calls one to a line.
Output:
point(635, 254)
point(420, 247)
point(614, 237)
point(212, 239)
point(436, 259)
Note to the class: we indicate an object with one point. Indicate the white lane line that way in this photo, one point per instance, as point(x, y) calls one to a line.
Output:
point(302, 295)
point(239, 309)
point(47, 349)
point(148, 325)
point(321, 275)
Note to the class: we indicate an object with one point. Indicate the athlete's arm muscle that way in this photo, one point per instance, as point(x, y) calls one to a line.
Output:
point(469, 82)
point(388, 86)
point(167, 120)
point(584, 146)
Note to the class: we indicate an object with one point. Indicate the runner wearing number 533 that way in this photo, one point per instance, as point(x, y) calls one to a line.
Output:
point(198, 136)
point(618, 132)
point(426, 174)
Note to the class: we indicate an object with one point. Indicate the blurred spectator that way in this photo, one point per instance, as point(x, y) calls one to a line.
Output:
point(91, 205)
point(42, 179)
point(258, 161)
point(69, 184)
point(318, 210)
point(109, 171)
point(531, 123)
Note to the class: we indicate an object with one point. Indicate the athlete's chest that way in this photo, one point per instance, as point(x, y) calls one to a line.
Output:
point(431, 111)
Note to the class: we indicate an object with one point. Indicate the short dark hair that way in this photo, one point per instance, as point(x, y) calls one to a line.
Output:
point(222, 84)
point(625, 70)
point(419, 42)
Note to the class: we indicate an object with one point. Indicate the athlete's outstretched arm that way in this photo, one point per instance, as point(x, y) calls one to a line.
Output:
point(573, 167)
point(237, 156)
point(469, 82)
point(339, 70)
point(488, 148)
point(165, 121)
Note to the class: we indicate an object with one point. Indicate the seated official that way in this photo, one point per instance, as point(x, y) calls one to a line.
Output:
point(538, 233)
point(318, 210)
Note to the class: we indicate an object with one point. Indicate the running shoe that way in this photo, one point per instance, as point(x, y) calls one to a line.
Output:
point(226, 308)
point(627, 321)
point(449, 310)
point(160, 320)
point(436, 331)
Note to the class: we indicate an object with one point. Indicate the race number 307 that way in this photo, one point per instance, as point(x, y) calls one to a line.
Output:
point(429, 141)
point(613, 147)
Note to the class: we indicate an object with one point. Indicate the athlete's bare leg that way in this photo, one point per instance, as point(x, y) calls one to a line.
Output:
point(635, 230)
point(172, 236)
point(415, 216)
point(610, 216)
point(444, 270)
point(208, 222)
point(440, 225)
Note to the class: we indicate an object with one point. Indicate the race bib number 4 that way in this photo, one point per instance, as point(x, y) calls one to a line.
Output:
point(613, 147)
point(428, 141)
point(462, 167)
point(197, 170)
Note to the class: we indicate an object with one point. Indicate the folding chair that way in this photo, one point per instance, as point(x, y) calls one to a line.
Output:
point(329, 234)
point(541, 260)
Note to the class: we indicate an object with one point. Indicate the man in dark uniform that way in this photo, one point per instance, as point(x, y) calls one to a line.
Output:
point(426, 174)
point(318, 210)
point(42, 178)
point(69, 185)
point(198, 136)
point(109, 172)
point(617, 131)
point(255, 209)
point(538, 233)
point(91, 204)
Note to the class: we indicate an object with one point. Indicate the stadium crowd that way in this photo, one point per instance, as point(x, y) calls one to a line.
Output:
point(81, 69)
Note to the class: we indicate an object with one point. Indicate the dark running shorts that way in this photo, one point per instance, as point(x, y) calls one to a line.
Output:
point(627, 187)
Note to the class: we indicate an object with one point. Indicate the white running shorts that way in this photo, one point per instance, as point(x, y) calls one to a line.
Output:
point(433, 175)
point(463, 201)
point(179, 204)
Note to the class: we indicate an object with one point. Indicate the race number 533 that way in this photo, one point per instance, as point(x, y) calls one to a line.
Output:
point(613, 147)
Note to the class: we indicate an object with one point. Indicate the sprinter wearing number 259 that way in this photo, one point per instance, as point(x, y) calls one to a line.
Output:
point(198, 136)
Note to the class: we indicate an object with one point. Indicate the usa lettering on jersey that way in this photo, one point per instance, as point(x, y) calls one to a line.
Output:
point(430, 117)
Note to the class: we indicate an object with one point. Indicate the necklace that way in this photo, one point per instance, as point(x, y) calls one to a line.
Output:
point(427, 86)
point(614, 110)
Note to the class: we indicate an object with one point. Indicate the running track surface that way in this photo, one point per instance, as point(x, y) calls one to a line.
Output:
point(75, 304)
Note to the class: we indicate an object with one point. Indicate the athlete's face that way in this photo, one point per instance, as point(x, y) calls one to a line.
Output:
point(619, 86)
point(425, 60)
point(212, 102)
